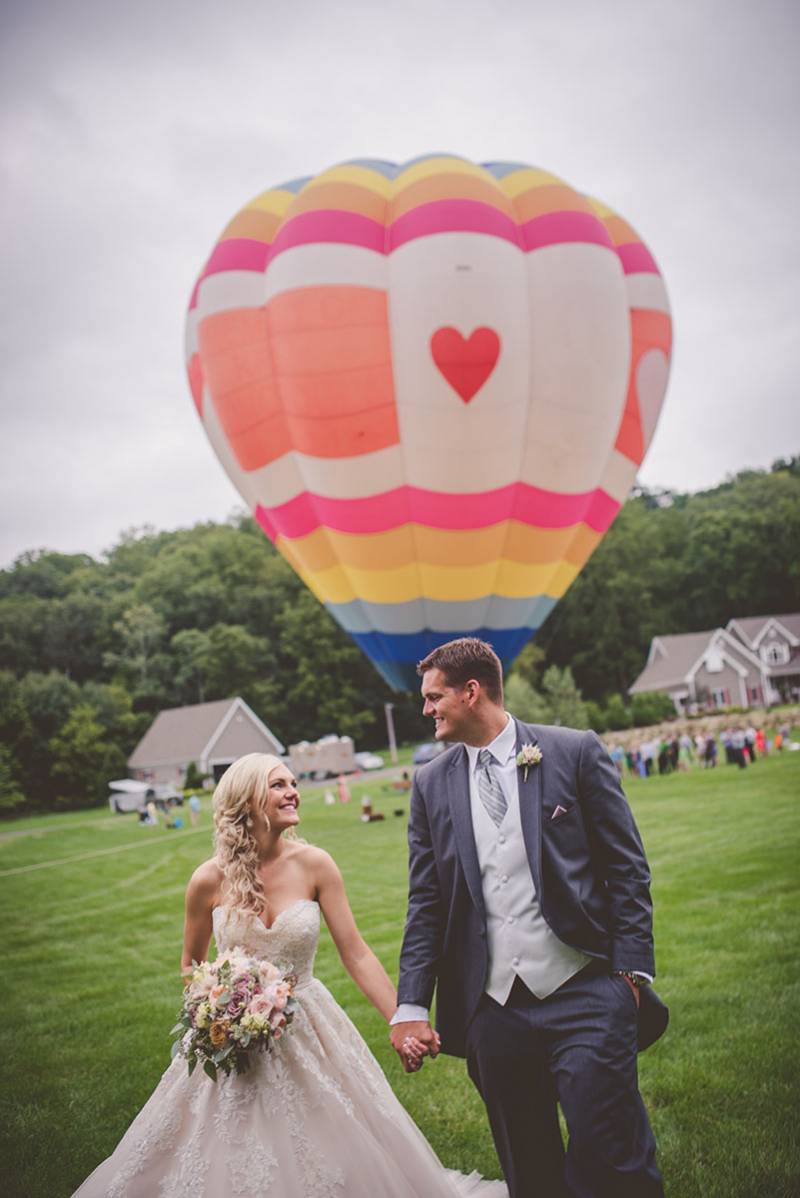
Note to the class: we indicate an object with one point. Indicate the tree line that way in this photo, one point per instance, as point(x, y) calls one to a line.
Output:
point(91, 649)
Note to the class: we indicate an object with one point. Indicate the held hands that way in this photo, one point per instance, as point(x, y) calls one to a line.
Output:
point(412, 1042)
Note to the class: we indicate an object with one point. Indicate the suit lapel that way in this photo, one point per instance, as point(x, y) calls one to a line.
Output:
point(461, 815)
point(530, 806)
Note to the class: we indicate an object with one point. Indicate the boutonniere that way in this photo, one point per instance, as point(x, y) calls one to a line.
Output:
point(528, 755)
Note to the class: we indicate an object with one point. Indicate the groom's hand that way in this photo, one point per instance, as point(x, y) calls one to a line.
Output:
point(412, 1041)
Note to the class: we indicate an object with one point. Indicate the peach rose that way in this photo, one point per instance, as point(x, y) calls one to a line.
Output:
point(218, 1033)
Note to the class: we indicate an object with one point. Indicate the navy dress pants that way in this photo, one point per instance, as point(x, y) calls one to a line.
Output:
point(576, 1047)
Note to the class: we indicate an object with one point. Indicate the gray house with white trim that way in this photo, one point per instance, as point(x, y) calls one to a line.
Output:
point(212, 735)
point(752, 661)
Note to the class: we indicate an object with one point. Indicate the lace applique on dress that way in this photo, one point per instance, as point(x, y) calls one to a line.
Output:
point(188, 1178)
point(158, 1134)
point(252, 1171)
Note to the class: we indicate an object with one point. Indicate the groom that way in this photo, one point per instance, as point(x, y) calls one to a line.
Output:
point(529, 912)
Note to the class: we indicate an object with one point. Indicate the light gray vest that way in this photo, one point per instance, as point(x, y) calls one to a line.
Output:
point(520, 941)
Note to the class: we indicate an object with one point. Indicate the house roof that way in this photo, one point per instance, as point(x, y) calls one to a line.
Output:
point(751, 626)
point(672, 658)
point(671, 667)
point(181, 734)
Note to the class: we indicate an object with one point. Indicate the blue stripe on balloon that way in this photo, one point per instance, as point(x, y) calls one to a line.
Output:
point(294, 185)
point(389, 170)
point(395, 656)
point(416, 615)
point(501, 169)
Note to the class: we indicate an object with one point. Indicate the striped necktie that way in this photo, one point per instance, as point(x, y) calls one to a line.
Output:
point(489, 788)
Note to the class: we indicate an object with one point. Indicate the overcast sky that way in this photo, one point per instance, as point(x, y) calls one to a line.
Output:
point(131, 133)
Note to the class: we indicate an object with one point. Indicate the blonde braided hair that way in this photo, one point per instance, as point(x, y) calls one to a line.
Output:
point(243, 786)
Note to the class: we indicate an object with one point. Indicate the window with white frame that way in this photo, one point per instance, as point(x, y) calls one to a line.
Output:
point(775, 653)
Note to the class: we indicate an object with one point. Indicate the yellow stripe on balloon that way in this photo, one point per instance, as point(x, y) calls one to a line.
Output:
point(511, 540)
point(526, 179)
point(361, 176)
point(507, 579)
point(275, 201)
point(437, 166)
point(600, 208)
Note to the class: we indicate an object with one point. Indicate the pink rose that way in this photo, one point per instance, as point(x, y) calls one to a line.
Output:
point(280, 994)
point(260, 1005)
point(268, 972)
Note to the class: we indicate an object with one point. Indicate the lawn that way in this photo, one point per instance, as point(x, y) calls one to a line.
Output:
point(91, 906)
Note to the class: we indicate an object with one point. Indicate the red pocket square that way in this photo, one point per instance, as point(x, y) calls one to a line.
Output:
point(559, 811)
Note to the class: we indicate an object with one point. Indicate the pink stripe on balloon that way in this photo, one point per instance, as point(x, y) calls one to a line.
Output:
point(636, 259)
point(403, 505)
point(452, 216)
point(344, 228)
point(237, 253)
point(441, 216)
point(557, 228)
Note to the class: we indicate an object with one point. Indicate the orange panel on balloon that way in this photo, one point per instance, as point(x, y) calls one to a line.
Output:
point(195, 372)
point(449, 187)
point(649, 330)
point(336, 437)
point(239, 366)
point(340, 396)
point(254, 224)
point(241, 408)
point(260, 443)
point(552, 197)
point(620, 231)
point(339, 197)
point(332, 356)
point(224, 331)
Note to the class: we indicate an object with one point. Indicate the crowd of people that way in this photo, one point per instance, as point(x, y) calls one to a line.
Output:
point(668, 751)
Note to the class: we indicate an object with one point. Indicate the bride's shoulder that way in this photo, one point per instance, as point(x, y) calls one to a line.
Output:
point(205, 882)
point(315, 861)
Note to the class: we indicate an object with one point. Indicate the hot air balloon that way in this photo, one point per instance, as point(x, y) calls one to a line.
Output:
point(432, 384)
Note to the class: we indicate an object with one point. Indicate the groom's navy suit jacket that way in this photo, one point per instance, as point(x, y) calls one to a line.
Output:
point(587, 863)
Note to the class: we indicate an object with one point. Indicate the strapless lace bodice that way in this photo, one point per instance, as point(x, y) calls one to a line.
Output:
point(291, 941)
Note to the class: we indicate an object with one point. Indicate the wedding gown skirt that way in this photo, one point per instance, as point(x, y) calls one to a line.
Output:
point(314, 1118)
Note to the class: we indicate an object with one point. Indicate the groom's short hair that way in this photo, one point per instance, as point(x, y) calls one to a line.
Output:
point(465, 658)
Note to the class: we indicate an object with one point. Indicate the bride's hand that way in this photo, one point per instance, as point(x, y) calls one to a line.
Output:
point(412, 1041)
point(412, 1054)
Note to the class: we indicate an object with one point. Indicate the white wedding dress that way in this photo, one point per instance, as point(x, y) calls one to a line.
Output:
point(314, 1118)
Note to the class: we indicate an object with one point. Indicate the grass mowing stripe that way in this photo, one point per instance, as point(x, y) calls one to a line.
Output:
point(120, 848)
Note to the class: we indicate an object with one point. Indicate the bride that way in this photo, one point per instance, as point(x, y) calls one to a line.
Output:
point(315, 1117)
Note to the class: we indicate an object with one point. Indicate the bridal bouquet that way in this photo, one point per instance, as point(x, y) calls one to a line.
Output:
point(232, 1007)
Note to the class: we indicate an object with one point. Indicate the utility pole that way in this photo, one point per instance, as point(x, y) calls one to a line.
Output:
point(389, 708)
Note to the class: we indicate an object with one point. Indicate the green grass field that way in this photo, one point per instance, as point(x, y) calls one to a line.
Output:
point(91, 908)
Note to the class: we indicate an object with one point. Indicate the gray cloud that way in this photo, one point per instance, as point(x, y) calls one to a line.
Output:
point(130, 135)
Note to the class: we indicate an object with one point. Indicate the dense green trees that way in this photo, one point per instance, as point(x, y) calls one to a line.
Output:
point(680, 563)
point(91, 650)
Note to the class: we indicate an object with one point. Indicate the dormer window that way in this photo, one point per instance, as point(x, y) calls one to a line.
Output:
point(714, 662)
point(774, 654)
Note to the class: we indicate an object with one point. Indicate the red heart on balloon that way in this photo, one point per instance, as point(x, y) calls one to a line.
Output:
point(466, 362)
